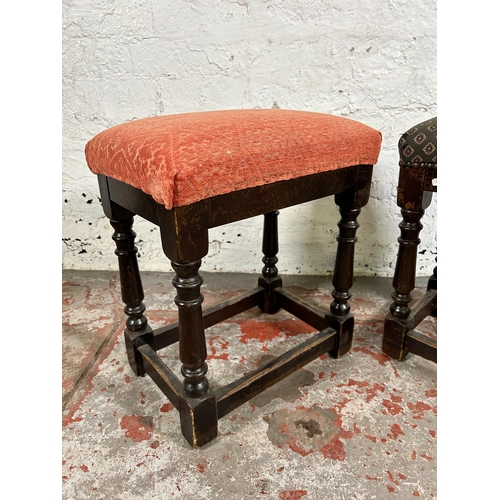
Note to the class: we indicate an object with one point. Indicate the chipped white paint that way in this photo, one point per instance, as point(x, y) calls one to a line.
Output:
point(374, 61)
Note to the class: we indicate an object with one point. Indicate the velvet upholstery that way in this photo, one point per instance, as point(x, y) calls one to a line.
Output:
point(180, 159)
point(418, 145)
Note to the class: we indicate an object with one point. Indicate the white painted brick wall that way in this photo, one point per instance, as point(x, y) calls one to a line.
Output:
point(370, 60)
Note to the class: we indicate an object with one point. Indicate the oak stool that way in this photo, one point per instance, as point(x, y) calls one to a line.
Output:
point(417, 175)
point(190, 172)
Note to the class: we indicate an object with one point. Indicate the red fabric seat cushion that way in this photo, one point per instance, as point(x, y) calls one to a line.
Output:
point(180, 159)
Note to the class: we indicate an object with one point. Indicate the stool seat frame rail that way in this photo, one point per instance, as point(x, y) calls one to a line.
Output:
point(184, 238)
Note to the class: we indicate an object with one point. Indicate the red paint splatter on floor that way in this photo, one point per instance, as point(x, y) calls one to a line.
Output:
point(396, 431)
point(361, 305)
point(358, 383)
point(377, 356)
point(84, 468)
point(391, 489)
point(137, 427)
point(267, 331)
point(334, 450)
point(372, 392)
point(371, 438)
point(221, 344)
point(416, 494)
point(392, 479)
point(340, 405)
point(380, 357)
point(419, 408)
point(431, 393)
point(167, 407)
point(292, 494)
point(201, 468)
point(370, 326)
point(393, 408)
point(69, 418)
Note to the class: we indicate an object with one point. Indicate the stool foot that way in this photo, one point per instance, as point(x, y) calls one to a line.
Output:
point(345, 327)
point(394, 335)
point(133, 355)
point(199, 418)
point(131, 291)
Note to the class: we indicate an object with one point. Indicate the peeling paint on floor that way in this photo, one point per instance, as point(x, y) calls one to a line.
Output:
point(360, 427)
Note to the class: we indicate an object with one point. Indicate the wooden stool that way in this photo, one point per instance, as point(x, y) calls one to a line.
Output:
point(191, 172)
point(418, 169)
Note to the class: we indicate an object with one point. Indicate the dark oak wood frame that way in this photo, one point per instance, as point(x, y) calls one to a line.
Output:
point(400, 336)
point(184, 237)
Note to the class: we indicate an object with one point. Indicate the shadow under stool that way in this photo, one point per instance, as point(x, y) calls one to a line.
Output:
point(417, 174)
point(190, 172)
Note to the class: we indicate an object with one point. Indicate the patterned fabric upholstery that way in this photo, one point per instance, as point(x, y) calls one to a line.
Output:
point(418, 146)
point(184, 158)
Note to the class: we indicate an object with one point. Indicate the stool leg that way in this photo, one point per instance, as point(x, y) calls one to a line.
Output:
point(197, 406)
point(432, 284)
point(343, 278)
point(400, 320)
point(270, 280)
point(132, 292)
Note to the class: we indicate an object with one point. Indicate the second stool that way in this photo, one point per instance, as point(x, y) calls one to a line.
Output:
point(418, 170)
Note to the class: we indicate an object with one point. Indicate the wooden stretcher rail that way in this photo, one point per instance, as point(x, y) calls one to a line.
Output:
point(240, 391)
point(161, 374)
point(302, 310)
point(168, 335)
point(419, 344)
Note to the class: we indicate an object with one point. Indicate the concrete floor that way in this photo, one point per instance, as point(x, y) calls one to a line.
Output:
point(360, 427)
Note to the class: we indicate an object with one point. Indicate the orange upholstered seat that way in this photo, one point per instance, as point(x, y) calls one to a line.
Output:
point(180, 159)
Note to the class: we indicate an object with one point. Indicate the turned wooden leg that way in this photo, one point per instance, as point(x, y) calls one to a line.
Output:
point(350, 203)
point(406, 264)
point(270, 280)
point(132, 292)
point(400, 320)
point(198, 410)
point(343, 279)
